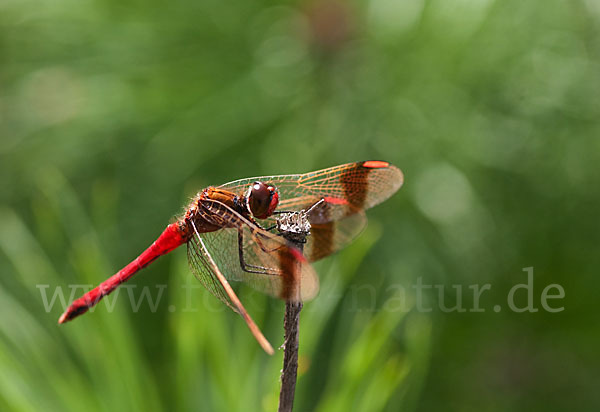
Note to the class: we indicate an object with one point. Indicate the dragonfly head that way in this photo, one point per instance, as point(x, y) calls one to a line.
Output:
point(262, 199)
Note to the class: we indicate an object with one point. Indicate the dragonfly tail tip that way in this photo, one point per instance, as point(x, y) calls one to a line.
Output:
point(63, 318)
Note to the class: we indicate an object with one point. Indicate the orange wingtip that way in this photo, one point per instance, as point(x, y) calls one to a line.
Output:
point(375, 164)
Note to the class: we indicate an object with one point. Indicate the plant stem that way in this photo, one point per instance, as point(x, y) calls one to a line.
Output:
point(291, 324)
point(295, 227)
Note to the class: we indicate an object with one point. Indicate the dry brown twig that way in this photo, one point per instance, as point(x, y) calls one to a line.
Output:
point(294, 226)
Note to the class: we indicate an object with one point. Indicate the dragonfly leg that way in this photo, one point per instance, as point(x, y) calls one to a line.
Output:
point(310, 209)
point(317, 203)
point(246, 267)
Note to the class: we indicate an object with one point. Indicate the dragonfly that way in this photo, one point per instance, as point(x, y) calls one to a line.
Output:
point(234, 232)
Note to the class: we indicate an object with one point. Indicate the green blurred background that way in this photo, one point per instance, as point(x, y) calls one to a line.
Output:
point(113, 113)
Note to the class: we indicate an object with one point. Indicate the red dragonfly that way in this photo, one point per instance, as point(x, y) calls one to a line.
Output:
point(230, 232)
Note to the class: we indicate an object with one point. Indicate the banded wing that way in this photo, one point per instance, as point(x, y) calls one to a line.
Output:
point(347, 189)
point(245, 252)
point(329, 237)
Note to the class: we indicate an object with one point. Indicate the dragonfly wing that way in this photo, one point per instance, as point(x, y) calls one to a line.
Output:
point(209, 274)
point(264, 261)
point(205, 270)
point(329, 237)
point(348, 188)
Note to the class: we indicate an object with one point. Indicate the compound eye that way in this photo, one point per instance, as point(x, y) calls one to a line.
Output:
point(262, 200)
